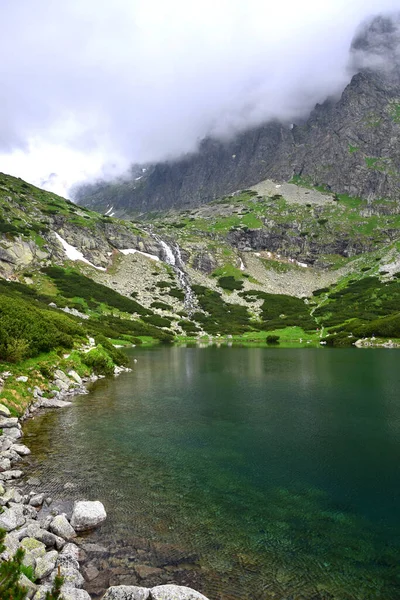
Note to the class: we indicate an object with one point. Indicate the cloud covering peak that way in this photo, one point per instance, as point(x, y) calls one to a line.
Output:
point(91, 87)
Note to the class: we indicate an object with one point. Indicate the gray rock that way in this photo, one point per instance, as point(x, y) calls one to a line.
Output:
point(21, 449)
point(2, 490)
point(11, 542)
point(127, 592)
point(62, 385)
point(69, 570)
point(52, 403)
point(7, 422)
point(5, 464)
point(68, 593)
point(22, 378)
point(75, 376)
point(37, 500)
point(50, 539)
point(87, 515)
point(12, 518)
point(30, 511)
point(45, 564)
point(5, 443)
point(72, 551)
point(13, 433)
point(4, 411)
point(58, 374)
point(175, 592)
point(90, 572)
point(28, 585)
point(62, 528)
point(33, 551)
point(8, 475)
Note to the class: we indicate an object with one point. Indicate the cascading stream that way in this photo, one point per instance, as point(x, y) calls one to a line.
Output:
point(173, 257)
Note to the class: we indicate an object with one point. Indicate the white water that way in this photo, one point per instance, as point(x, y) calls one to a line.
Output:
point(173, 258)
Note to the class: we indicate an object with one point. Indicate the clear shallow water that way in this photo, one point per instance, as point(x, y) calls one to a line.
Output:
point(278, 470)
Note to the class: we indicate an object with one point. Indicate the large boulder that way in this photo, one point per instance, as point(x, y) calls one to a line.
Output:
point(87, 515)
point(127, 592)
point(175, 592)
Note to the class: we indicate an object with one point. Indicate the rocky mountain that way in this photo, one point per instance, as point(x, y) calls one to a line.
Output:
point(282, 258)
point(350, 145)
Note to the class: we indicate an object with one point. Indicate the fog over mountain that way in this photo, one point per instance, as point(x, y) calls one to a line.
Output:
point(89, 88)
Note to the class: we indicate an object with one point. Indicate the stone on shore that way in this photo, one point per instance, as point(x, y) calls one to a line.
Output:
point(30, 587)
point(13, 432)
point(12, 518)
point(127, 592)
point(69, 570)
point(75, 376)
point(61, 527)
point(52, 403)
point(21, 449)
point(160, 592)
point(37, 500)
point(46, 564)
point(67, 593)
point(87, 515)
point(73, 551)
point(177, 592)
point(33, 551)
point(4, 411)
point(7, 422)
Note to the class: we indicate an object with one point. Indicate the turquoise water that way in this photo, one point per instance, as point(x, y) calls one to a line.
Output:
point(278, 468)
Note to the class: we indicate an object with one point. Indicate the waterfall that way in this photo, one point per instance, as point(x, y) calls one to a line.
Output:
point(173, 257)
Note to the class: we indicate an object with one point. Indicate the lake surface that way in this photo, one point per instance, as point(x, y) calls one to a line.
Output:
point(274, 472)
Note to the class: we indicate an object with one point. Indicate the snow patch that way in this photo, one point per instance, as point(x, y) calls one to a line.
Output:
point(75, 254)
point(133, 251)
point(109, 210)
point(241, 266)
point(137, 178)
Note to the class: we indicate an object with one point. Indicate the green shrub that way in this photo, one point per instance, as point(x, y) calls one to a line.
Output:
point(99, 360)
point(72, 284)
point(117, 356)
point(272, 339)
point(161, 305)
point(157, 320)
point(230, 283)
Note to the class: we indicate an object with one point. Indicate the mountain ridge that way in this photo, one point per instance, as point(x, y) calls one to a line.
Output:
point(350, 145)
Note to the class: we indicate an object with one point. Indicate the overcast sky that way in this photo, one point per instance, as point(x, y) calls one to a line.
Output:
point(90, 86)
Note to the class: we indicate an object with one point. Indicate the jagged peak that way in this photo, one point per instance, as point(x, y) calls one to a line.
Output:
point(376, 45)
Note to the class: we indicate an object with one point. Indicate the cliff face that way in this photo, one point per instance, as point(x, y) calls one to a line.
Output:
point(350, 145)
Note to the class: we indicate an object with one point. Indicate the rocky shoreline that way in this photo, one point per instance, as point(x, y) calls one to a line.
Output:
point(52, 539)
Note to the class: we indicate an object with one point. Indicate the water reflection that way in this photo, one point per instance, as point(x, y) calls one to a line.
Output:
point(273, 465)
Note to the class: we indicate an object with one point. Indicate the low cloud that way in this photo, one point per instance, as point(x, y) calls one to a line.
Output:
point(90, 87)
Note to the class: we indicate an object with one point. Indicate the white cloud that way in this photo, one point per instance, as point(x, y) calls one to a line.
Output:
point(90, 85)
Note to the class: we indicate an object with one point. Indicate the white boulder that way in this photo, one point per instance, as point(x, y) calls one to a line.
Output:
point(87, 515)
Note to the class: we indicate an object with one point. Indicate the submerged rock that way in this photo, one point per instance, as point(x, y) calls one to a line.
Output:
point(87, 515)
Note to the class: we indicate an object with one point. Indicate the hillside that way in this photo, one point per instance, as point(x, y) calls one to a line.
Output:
point(349, 144)
point(282, 260)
